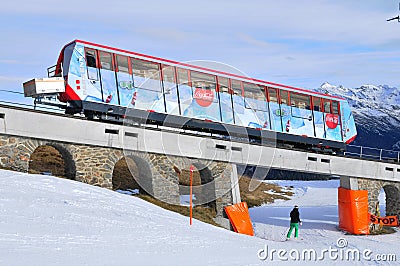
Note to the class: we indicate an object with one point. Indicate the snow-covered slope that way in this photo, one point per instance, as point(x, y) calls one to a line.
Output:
point(50, 221)
point(376, 110)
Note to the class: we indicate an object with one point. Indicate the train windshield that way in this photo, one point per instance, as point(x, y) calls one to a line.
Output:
point(67, 58)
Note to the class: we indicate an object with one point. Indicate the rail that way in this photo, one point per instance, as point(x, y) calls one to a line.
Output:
point(372, 153)
point(7, 97)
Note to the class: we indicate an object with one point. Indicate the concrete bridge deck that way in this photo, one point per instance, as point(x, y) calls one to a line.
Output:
point(48, 126)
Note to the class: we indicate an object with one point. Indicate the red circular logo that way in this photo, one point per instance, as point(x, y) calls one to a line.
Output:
point(332, 120)
point(203, 97)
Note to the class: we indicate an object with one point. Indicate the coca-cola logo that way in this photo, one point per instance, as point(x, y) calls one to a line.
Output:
point(203, 97)
point(332, 120)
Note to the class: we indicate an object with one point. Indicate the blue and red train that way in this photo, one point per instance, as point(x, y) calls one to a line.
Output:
point(102, 81)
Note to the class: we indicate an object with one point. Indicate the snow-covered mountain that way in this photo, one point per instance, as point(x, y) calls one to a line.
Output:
point(376, 111)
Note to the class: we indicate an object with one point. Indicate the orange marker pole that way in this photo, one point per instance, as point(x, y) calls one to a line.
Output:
point(191, 193)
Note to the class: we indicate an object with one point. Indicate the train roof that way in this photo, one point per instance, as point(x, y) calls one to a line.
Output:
point(199, 68)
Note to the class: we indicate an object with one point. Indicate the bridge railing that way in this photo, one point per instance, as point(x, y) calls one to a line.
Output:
point(372, 153)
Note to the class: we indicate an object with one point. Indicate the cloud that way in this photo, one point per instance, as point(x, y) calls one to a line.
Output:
point(339, 21)
point(299, 42)
point(13, 79)
point(18, 62)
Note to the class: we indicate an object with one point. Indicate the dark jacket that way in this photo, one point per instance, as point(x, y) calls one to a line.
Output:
point(295, 216)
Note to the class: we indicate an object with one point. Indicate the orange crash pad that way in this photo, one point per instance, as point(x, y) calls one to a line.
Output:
point(239, 216)
point(353, 211)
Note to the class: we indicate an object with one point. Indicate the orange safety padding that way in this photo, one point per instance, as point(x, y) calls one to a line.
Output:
point(353, 211)
point(239, 216)
point(385, 221)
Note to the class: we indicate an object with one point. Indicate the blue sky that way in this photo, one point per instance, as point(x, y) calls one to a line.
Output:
point(299, 43)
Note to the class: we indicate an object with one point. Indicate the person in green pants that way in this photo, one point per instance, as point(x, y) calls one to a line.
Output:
point(294, 223)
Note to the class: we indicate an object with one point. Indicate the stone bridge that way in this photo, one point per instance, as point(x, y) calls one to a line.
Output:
point(157, 174)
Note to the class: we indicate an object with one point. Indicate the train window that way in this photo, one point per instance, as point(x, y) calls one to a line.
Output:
point(223, 85)
point(335, 107)
point(317, 104)
point(327, 106)
point(284, 96)
point(168, 74)
point(145, 69)
point(122, 63)
point(255, 97)
point(184, 90)
point(204, 85)
point(183, 76)
point(106, 61)
point(203, 81)
point(91, 58)
point(146, 74)
point(272, 95)
point(170, 89)
point(169, 79)
point(253, 91)
point(300, 100)
point(237, 87)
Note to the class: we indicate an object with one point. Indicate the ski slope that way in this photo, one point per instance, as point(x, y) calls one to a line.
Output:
point(51, 221)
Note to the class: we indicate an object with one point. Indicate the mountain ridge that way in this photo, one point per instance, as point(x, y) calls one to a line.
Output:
point(376, 111)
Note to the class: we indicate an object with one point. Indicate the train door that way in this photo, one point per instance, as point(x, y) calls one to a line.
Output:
point(93, 84)
point(185, 91)
point(171, 95)
point(301, 121)
point(205, 103)
point(274, 110)
point(107, 76)
point(238, 103)
point(124, 80)
point(349, 131)
point(332, 120)
point(256, 107)
point(319, 120)
point(225, 99)
point(284, 107)
point(147, 81)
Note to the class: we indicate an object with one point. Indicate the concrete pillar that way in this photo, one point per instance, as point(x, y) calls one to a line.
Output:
point(349, 182)
point(235, 185)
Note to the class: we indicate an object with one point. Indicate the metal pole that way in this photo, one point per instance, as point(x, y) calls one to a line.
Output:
point(191, 193)
point(361, 150)
point(380, 155)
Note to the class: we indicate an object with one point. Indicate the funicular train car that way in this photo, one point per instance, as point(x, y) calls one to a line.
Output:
point(102, 81)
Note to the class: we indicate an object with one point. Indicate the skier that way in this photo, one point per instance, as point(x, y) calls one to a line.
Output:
point(294, 223)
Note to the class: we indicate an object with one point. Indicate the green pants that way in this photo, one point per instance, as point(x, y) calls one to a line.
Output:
point(296, 230)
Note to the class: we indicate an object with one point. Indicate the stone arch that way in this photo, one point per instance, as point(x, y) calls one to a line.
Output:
point(208, 194)
point(132, 172)
point(129, 173)
point(374, 187)
point(184, 182)
point(59, 160)
point(392, 199)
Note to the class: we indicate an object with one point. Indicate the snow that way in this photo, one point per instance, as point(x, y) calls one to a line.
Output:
point(185, 200)
point(46, 220)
